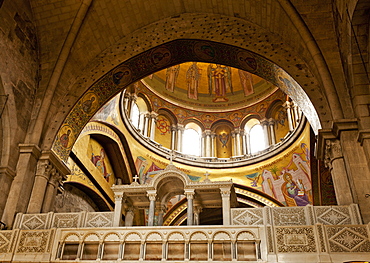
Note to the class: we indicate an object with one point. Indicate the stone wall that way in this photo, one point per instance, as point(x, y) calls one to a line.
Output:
point(19, 76)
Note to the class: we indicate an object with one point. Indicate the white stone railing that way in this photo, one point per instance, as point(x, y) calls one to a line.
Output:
point(276, 216)
point(312, 243)
point(300, 215)
point(63, 220)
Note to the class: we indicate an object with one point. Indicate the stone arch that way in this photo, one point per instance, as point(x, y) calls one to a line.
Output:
point(167, 55)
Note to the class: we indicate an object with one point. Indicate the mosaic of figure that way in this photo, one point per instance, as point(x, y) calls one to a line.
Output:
point(294, 192)
point(246, 81)
point(64, 139)
point(171, 77)
point(219, 78)
point(193, 76)
point(99, 162)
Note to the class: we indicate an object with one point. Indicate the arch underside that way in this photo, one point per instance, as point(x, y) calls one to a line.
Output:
point(172, 53)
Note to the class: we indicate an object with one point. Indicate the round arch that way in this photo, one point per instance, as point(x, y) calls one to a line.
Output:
point(167, 55)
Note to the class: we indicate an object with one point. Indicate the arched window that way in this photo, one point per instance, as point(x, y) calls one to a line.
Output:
point(191, 139)
point(257, 138)
point(135, 115)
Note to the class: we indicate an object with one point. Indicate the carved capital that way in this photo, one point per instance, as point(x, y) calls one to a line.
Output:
point(56, 177)
point(189, 193)
point(153, 115)
point(225, 192)
point(333, 150)
point(151, 195)
point(44, 168)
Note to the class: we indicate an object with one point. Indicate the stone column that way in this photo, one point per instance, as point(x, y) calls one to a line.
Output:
point(161, 212)
point(207, 134)
point(265, 124)
point(287, 106)
point(126, 99)
point(173, 137)
point(132, 101)
point(20, 190)
point(226, 207)
point(118, 206)
point(272, 131)
point(129, 217)
point(146, 124)
point(213, 143)
point(151, 194)
point(141, 125)
point(51, 190)
point(153, 120)
point(247, 142)
point(189, 193)
point(296, 113)
point(233, 143)
point(180, 133)
point(43, 171)
point(237, 142)
point(335, 162)
point(197, 210)
point(203, 145)
point(243, 142)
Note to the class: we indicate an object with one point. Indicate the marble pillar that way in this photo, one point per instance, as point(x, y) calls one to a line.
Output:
point(226, 207)
point(272, 131)
point(152, 197)
point(287, 106)
point(153, 121)
point(189, 193)
point(118, 206)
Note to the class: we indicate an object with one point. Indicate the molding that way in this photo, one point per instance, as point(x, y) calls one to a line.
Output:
point(33, 149)
point(334, 133)
point(57, 163)
point(344, 125)
point(6, 170)
point(363, 135)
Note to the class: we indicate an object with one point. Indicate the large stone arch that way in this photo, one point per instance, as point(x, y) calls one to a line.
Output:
point(292, 56)
point(168, 54)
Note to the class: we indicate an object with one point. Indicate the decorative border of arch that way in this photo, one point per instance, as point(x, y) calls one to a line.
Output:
point(163, 56)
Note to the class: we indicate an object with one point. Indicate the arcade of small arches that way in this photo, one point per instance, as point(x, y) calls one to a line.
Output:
point(222, 140)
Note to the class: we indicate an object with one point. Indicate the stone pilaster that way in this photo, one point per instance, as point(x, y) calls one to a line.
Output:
point(6, 178)
point(21, 188)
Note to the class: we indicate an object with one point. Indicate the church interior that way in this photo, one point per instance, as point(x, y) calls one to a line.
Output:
point(201, 131)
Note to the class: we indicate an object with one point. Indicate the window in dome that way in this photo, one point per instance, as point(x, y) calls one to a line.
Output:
point(135, 116)
point(191, 139)
point(257, 139)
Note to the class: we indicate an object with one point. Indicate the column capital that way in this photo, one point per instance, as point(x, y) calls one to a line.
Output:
point(287, 104)
point(264, 122)
point(207, 132)
point(225, 192)
point(133, 97)
point(333, 150)
point(189, 193)
point(153, 115)
point(151, 194)
point(237, 130)
point(180, 127)
point(271, 121)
